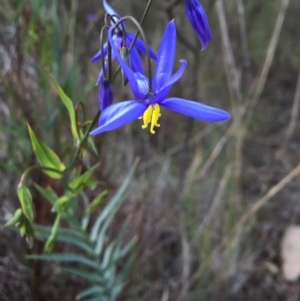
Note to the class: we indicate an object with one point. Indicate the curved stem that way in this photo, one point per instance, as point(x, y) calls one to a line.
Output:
point(86, 135)
point(102, 50)
point(141, 23)
point(38, 167)
point(142, 33)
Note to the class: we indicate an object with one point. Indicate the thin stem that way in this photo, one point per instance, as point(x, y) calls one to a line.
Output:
point(142, 33)
point(38, 167)
point(102, 49)
point(109, 18)
point(80, 105)
point(141, 23)
point(86, 135)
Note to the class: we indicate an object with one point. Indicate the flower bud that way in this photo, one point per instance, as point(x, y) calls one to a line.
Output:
point(198, 19)
point(105, 94)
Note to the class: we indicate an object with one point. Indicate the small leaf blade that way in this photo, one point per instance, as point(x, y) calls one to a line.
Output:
point(46, 156)
point(25, 198)
point(69, 105)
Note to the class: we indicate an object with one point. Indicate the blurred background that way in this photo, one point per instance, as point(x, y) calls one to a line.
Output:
point(215, 207)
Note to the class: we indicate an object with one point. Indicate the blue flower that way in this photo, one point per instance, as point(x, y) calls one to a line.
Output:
point(139, 45)
point(197, 17)
point(147, 106)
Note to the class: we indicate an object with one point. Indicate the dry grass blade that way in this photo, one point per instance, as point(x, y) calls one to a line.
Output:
point(262, 201)
point(293, 121)
point(257, 90)
point(233, 77)
point(241, 12)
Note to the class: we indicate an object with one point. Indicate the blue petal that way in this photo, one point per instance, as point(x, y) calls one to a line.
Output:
point(198, 19)
point(98, 55)
point(140, 45)
point(118, 42)
point(143, 83)
point(162, 94)
point(195, 109)
point(165, 56)
point(109, 10)
point(101, 74)
point(129, 73)
point(136, 62)
point(118, 115)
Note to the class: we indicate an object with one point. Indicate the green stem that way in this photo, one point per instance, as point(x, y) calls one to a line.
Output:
point(86, 135)
point(138, 32)
point(38, 167)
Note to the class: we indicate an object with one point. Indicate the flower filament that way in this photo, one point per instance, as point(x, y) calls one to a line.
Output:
point(151, 115)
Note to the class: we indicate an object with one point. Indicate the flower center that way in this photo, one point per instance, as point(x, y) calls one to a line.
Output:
point(151, 115)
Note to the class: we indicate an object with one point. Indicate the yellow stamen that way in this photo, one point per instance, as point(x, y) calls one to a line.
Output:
point(151, 115)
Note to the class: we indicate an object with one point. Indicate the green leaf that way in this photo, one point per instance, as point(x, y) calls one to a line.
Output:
point(96, 203)
point(131, 244)
point(63, 205)
point(91, 276)
point(107, 257)
point(65, 258)
point(70, 107)
point(96, 289)
point(47, 193)
point(98, 298)
point(26, 201)
point(26, 229)
point(15, 220)
point(46, 156)
point(67, 236)
point(50, 241)
point(84, 180)
point(110, 209)
point(86, 217)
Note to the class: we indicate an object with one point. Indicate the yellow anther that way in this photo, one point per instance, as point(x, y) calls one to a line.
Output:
point(155, 116)
point(147, 117)
point(151, 115)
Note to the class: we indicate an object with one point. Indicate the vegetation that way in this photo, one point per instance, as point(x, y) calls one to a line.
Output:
point(194, 212)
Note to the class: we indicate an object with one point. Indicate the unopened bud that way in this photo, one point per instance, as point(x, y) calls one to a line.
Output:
point(105, 94)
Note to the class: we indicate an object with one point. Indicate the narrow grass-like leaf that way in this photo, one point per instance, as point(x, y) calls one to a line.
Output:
point(96, 289)
point(65, 258)
point(96, 203)
point(64, 232)
point(112, 204)
point(97, 298)
point(46, 156)
point(47, 193)
point(106, 223)
point(67, 236)
point(69, 105)
point(128, 247)
point(91, 276)
point(107, 255)
point(50, 241)
point(116, 289)
point(100, 239)
point(86, 217)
